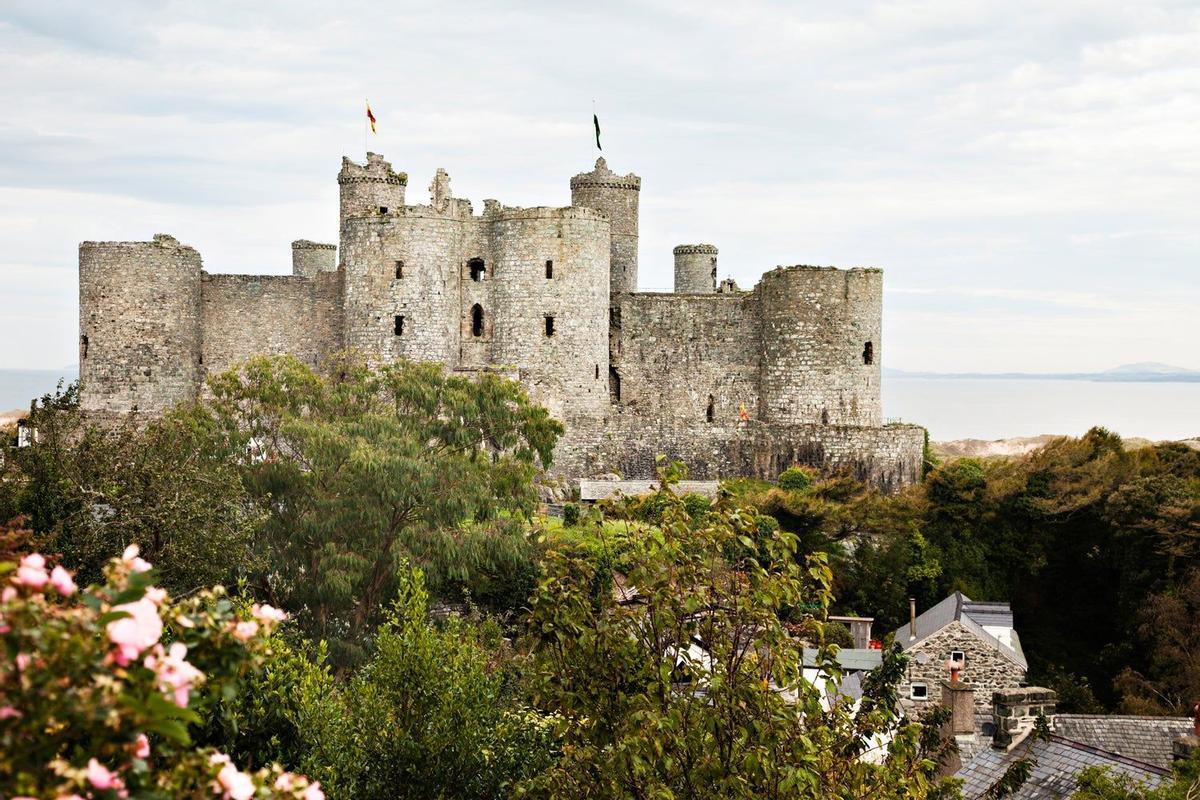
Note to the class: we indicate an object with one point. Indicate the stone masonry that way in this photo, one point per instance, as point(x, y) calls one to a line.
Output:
point(987, 669)
point(731, 382)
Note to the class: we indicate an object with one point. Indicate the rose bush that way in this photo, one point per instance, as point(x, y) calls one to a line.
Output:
point(98, 686)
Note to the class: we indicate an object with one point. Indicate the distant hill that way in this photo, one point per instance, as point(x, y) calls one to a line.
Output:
point(1142, 372)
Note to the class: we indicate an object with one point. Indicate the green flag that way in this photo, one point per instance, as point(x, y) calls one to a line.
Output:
point(596, 122)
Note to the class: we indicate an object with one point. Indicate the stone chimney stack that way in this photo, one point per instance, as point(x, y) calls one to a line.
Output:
point(912, 619)
point(1015, 711)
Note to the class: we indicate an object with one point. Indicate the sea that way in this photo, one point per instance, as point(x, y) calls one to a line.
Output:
point(1003, 408)
point(951, 408)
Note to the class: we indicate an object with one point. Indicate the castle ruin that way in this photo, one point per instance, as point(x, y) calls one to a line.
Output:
point(731, 382)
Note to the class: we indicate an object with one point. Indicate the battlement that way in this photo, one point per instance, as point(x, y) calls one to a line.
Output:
point(305, 244)
point(376, 170)
point(694, 249)
point(601, 177)
point(161, 240)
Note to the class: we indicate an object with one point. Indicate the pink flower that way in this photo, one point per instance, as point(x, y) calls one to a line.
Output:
point(8, 712)
point(285, 782)
point(131, 559)
point(60, 579)
point(134, 633)
point(237, 785)
point(141, 748)
point(267, 614)
point(101, 778)
point(23, 660)
point(313, 792)
point(245, 630)
point(218, 758)
point(68, 797)
point(32, 572)
point(156, 595)
point(175, 675)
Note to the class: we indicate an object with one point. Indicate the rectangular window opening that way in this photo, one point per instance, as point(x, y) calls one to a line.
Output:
point(399, 269)
point(549, 269)
point(919, 691)
point(399, 326)
point(549, 325)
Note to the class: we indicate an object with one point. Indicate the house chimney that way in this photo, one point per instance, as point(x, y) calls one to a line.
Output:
point(912, 619)
point(1015, 711)
point(959, 697)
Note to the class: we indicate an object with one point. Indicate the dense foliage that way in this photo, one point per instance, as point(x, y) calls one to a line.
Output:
point(1097, 547)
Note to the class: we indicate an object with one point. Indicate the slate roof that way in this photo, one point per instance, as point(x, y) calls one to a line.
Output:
point(972, 615)
point(1146, 739)
point(851, 659)
point(1059, 761)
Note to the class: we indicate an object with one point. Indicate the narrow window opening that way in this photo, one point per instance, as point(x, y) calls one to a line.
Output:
point(477, 320)
point(477, 269)
point(710, 411)
point(869, 353)
point(383, 209)
point(824, 416)
point(399, 269)
point(83, 346)
point(614, 384)
point(202, 358)
point(597, 372)
point(549, 269)
point(549, 325)
point(399, 329)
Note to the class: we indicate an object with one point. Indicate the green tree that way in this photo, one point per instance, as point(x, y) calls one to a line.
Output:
point(364, 468)
point(691, 687)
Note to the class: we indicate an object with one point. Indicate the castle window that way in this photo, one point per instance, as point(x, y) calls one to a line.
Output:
point(824, 416)
point(477, 320)
point(597, 372)
point(711, 410)
point(83, 345)
point(477, 269)
point(383, 209)
point(549, 325)
point(549, 269)
point(399, 327)
point(614, 385)
point(868, 353)
point(399, 269)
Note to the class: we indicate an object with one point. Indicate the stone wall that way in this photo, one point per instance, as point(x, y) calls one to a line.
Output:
point(627, 444)
point(139, 325)
point(617, 197)
point(251, 315)
point(309, 258)
point(986, 669)
point(695, 268)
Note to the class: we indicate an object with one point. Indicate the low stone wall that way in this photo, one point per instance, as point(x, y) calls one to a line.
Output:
point(889, 456)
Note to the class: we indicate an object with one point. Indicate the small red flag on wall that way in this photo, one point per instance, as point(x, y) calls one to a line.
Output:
point(371, 117)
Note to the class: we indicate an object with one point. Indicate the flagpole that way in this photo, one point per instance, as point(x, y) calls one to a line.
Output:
point(367, 100)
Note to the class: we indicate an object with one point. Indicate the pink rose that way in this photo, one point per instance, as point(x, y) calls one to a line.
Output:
point(245, 630)
point(68, 797)
point(176, 676)
point(8, 712)
point(141, 748)
point(23, 660)
point(131, 559)
point(313, 792)
point(237, 785)
point(101, 778)
point(135, 633)
point(267, 614)
point(32, 572)
point(156, 595)
point(8, 593)
point(60, 579)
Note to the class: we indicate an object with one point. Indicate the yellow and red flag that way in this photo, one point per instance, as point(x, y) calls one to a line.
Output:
point(371, 117)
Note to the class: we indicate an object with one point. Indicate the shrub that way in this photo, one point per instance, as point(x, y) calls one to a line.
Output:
point(570, 515)
point(101, 685)
point(697, 505)
point(795, 479)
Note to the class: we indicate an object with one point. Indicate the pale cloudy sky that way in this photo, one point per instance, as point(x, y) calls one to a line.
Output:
point(1027, 173)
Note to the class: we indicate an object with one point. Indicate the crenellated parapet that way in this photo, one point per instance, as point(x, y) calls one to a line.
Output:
point(617, 196)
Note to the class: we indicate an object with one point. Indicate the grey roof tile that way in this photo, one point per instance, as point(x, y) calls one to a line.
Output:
point(1146, 739)
point(1053, 777)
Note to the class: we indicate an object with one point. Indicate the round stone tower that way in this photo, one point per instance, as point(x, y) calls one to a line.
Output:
point(821, 345)
point(309, 258)
point(695, 269)
point(617, 196)
point(139, 325)
point(371, 188)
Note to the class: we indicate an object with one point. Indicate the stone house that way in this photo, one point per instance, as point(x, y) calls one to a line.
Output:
point(979, 635)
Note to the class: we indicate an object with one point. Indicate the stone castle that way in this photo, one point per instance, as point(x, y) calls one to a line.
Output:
point(732, 382)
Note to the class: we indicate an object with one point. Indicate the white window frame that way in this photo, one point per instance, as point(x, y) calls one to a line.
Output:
point(912, 691)
point(958, 655)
